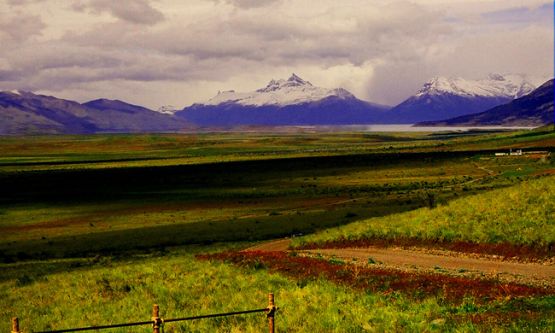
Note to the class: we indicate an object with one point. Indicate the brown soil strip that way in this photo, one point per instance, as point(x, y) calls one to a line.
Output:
point(530, 273)
point(505, 250)
point(424, 260)
point(275, 245)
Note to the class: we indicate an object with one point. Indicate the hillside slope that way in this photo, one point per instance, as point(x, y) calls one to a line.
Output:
point(523, 214)
point(28, 113)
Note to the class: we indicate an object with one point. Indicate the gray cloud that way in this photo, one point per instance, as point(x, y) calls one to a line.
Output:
point(134, 11)
point(22, 2)
point(20, 26)
point(522, 15)
point(248, 3)
point(380, 52)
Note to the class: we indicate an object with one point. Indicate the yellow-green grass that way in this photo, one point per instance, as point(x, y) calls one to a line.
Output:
point(60, 294)
point(452, 172)
point(523, 214)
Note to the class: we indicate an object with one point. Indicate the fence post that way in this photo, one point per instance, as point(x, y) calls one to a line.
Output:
point(271, 312)
point(156, 319)
point(15, 325)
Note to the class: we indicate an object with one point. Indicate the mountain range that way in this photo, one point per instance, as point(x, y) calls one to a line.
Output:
point(284, 102)
point(27, 113)
point(443, 98)
point(293, 101)
point(534, 109)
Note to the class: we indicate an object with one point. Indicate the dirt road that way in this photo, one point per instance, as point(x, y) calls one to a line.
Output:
point(420, 260)
point(275, 245)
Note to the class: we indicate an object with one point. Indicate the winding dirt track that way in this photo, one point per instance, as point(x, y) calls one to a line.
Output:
point(420, 260)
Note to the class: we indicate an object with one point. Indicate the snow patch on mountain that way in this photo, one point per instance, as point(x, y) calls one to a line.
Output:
point(14, 92)
point(281, 92)
point(496, 85)
point(167, 109)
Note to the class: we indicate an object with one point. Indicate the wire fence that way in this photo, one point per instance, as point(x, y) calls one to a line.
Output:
point(158, 323)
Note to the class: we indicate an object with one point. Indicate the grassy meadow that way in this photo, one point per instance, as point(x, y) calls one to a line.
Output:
point(94, 229)
point(523, 214)
point(81, 292)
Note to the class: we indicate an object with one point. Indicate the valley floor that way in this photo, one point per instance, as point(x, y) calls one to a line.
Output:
point(377, 232)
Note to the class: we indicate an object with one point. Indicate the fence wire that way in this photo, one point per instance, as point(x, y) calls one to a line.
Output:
point(139, 323)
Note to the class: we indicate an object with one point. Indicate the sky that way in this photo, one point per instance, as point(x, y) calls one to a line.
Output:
point(178, 52)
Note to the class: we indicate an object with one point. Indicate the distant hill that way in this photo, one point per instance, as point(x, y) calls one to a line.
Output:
point(118, 116)
point(534, 109)
point(284, 102)
point(443, 98)
point(28, 113)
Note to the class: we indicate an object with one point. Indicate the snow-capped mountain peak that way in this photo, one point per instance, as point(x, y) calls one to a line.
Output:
point(167, 109)
point(292, 81)
point(280, 92)
point(496, 85)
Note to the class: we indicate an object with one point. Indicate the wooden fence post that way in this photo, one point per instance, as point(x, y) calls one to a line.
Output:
point(271, 312)
point(15, 325)
point(156, 319)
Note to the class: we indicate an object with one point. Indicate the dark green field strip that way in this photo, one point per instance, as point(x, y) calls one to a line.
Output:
point(52, 184)
point(81, 161)
point(205, 232)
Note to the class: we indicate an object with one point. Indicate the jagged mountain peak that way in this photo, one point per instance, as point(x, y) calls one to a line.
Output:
point(292, 81)
point(495, 85)
point(280, 92)
point(296, 79)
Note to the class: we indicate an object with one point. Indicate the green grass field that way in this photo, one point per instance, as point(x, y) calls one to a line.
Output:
point(94, 229)
point(134, 150)
point(522, 214)
point(74, 204)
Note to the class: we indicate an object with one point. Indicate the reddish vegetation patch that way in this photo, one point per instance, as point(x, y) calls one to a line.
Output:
point(415, 285)
point(501, 249)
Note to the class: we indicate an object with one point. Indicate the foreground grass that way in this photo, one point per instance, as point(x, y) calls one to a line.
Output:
point(60, 294)
point(523, 214)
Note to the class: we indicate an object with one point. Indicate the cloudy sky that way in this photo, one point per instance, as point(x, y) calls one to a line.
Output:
point(160, 52)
